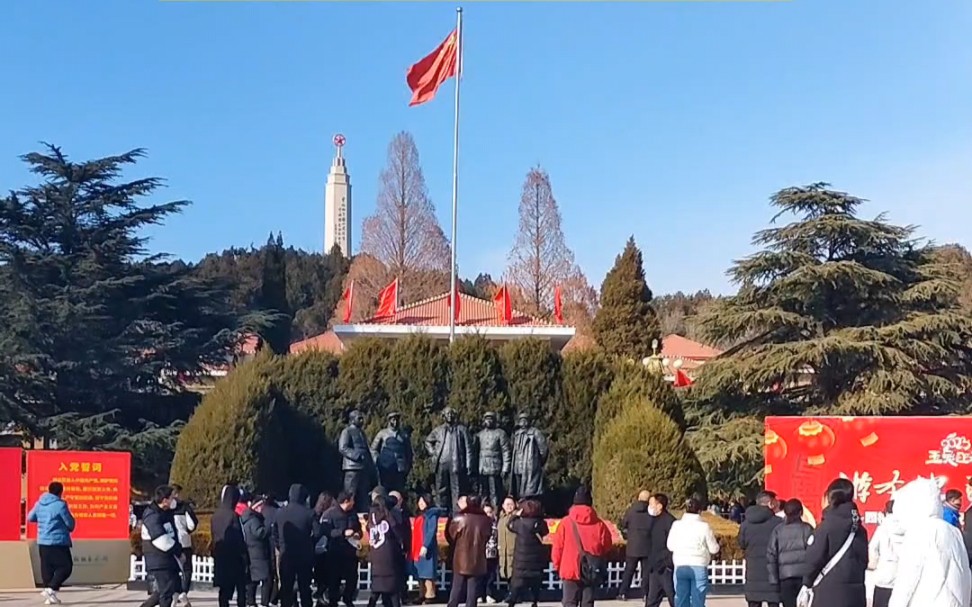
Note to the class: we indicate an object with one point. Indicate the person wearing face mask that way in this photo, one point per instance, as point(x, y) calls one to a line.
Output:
point(661, 568)
point(161, 550)
point(229, 550)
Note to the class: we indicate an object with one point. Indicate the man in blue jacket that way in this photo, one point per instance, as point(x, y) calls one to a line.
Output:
point(54, 527)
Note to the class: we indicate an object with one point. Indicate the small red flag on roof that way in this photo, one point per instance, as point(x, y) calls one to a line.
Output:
point(388, 300)
point(558, 305)
point(348, 298)
point(504, 306)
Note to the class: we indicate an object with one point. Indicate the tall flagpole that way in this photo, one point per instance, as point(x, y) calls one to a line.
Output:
point(455, 182)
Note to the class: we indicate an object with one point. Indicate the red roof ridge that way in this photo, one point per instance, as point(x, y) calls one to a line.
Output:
point(678, 346)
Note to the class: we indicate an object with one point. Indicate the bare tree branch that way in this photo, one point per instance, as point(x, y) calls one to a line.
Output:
point(404, 234)
point(540, 259)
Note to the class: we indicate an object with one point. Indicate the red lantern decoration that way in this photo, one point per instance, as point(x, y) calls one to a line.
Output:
point(774, 446)
point(816, 438)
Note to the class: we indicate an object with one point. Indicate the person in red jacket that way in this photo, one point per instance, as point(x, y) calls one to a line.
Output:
point(596, 538)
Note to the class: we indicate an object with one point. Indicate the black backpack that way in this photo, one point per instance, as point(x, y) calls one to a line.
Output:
point(593, 569)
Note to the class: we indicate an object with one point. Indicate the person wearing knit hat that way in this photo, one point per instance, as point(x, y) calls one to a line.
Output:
point(582, 497)
point(581, 531)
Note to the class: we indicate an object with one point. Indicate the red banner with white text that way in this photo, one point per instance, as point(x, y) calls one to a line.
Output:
point(11, 464)
point(97, 488)
point(878, 454)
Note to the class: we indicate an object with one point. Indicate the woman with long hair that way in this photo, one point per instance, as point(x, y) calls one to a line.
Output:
point(424, 551)
point(837, 552)
point(324, 502)
point(385, 553)
point(786, 554)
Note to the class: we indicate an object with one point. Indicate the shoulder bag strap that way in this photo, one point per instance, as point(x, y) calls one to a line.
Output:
point(837, 557)
point(577, 537)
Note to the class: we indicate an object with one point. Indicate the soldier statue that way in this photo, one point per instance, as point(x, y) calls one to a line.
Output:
point(357, 464)
point(392, 452)
point(530, 451)
point(494, 459)
point(449, 447)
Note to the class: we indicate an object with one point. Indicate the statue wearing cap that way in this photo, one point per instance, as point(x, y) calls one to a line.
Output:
point(451, 451)
point(494, 459)
point(530, 451)
point(357, 463)
point(392, 451)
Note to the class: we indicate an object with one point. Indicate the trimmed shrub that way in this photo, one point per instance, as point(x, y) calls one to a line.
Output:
point(233, 436)
point(533, 379)
point(642, 448)
point(361, 377)
point(634, 381)
point(416, 379)
point(477, 384)
point(311, 419)
point(586, 376)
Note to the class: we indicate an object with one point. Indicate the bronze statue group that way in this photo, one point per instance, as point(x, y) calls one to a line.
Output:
point(489, 459)
point(487, 484)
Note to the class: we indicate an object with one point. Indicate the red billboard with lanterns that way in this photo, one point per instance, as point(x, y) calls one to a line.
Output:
point(878, 454)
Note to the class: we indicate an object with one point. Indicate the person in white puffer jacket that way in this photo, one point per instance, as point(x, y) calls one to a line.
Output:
point(692, 544)
point(933, 566)
point(883, 554)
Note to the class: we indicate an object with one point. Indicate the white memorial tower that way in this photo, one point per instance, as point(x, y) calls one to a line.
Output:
point(337, 203)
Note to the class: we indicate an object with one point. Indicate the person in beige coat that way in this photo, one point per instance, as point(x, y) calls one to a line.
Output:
point(507, 540)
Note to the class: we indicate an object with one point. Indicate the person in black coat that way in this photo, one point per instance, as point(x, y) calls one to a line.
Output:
point(404, 530)
point(636, 527)
point(161, 550)
point(293, 533)
point(754, 539)
point(229, 549)
point(257, 537)
point(342, 526)
point(787, 553)
point(661, 579)
point(844, 583)
point(530, 556)
point(385, 552)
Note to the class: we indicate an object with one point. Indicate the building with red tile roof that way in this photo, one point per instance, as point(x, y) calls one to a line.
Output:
point(431, 317)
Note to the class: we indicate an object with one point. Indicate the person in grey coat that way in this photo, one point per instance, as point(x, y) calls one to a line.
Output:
point(357, 464)
point(256, 534)
point(754, 539)
point(786, 554)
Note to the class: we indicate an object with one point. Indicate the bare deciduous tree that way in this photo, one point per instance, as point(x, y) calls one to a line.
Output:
point(404, 233)
point(540, 259)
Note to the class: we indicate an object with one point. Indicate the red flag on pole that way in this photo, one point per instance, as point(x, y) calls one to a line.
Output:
point(425, 77)
point(504, 306)
point(348, 298)
point(388, 300)
point(458, 304)
point(558, 305)
point(682, 380)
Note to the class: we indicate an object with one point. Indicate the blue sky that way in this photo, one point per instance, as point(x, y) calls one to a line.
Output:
point(670, 121)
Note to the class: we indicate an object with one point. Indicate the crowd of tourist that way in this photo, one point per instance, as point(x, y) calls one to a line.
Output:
point(266, 553)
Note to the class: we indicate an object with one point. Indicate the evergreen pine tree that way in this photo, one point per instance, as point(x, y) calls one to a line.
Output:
point(273, 295)
point(835, 315)
point(626, 324)
point(90, 323)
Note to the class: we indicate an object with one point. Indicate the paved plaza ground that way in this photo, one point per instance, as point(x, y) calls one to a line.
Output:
point(121, 596)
